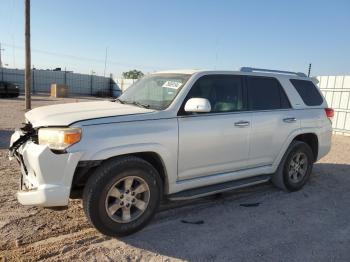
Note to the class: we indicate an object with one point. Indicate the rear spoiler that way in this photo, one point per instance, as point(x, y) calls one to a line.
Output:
point(315, 80)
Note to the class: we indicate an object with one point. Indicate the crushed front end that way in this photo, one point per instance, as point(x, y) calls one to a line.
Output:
point(46, 177)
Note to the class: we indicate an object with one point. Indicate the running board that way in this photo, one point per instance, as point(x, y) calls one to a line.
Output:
point(218, 188)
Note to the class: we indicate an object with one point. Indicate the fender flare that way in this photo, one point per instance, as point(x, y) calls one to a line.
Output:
point(289, 140)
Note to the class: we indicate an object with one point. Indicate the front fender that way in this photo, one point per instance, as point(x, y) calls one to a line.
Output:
point(169, 162)
point(128, 149)
point(101, 142)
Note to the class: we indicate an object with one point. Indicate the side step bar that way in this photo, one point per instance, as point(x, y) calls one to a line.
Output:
point(218, 188)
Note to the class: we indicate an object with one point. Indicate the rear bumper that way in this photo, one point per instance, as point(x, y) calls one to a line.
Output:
point(46, 177)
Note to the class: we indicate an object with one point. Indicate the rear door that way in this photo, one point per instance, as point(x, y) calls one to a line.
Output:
point(218, 141)
point(272, 119)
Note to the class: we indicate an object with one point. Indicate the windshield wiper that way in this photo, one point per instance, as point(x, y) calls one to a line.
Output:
point(120, 101)
point(136, 103)
point(140, 104)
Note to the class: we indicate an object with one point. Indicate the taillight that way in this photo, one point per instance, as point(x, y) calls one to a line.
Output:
point(329, 113)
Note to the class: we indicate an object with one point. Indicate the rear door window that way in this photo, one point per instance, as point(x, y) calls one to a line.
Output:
point(308, 92)
point(266, 93)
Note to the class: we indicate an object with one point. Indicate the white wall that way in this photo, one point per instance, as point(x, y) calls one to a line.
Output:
point(124, 83)
point(42, 79)
point(336, 90)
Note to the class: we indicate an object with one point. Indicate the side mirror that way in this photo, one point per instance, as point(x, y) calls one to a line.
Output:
point(198, 105)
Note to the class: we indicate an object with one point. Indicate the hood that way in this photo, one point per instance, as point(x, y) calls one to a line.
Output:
point(66, 114)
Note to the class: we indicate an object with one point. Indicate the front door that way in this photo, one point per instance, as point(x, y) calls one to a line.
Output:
point(218, 141)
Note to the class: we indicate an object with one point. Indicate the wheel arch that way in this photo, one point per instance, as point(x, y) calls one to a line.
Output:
point(157, 162)
point(310, 139)
point(307, 136)
point(86, 168)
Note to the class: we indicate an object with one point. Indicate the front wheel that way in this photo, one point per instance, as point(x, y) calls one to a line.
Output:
point(122, 196)
point(295, 167)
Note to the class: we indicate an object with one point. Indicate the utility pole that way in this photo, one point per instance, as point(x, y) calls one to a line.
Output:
point(104, 71)
point(308, 74)
point(2, 69)
point(91, 79)
point(28, 75)
point(1, 49)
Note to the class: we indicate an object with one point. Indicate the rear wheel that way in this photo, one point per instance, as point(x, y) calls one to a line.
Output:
point(295, 167)
point(122, 196)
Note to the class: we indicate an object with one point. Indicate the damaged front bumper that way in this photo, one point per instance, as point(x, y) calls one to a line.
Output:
point(46, 177)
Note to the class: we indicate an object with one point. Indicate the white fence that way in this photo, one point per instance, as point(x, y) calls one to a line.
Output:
point(124, 83)
point(336, 90)
point(81, 84)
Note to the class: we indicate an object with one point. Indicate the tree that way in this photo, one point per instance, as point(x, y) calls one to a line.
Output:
point(133, 74)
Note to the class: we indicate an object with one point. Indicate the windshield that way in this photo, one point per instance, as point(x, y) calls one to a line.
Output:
point(154, 91)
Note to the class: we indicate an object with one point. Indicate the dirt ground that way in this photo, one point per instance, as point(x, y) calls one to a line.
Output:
point(309, 225)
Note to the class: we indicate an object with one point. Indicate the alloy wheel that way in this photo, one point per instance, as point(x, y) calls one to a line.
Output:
point(127, 199)
point(297, 167)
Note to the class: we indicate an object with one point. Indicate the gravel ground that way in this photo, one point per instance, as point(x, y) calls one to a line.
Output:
point(309, 225)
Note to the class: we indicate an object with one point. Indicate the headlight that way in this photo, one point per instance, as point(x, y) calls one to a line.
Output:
point(59, 138)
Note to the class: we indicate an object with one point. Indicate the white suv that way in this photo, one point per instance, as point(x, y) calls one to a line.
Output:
point(175, 134)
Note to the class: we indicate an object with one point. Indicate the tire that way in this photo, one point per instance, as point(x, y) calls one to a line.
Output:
point(287, 176)
point(107, 190)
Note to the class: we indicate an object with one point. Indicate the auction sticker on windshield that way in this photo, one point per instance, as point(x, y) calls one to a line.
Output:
point(172, 84)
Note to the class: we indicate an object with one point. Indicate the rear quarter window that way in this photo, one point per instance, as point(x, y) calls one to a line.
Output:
point(308, 92)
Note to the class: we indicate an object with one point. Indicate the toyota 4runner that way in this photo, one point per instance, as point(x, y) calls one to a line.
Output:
point(175, 135)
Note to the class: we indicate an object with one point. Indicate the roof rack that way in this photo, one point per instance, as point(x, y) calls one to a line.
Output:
point(252, 69)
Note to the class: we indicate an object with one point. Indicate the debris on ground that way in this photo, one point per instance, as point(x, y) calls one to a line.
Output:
point(250, 204)
point(194, 222)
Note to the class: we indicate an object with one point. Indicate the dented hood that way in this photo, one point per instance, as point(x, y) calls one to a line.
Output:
point(66, 114)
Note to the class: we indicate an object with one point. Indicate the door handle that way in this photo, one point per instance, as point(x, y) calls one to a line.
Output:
point(289, 120)
point(242, 123)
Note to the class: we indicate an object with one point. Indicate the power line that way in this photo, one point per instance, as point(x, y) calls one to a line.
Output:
point(85, 58)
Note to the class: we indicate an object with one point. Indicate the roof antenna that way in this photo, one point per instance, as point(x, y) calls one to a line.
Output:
point(308, 74)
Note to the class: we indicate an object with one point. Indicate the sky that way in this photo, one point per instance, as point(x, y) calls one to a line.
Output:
point(157, 35)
